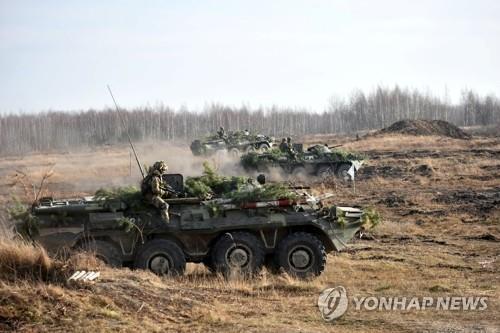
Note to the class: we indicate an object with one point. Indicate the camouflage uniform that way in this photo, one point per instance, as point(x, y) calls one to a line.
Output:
point(291, 152)
point(284, 146)
point(153, 188)
point(221, 132)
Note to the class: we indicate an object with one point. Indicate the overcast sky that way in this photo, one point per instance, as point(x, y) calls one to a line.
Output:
point(61, 54)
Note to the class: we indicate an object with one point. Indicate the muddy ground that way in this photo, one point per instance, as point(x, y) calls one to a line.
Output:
point(440, 237)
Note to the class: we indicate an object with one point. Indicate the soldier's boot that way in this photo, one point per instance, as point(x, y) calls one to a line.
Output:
point(164, 216)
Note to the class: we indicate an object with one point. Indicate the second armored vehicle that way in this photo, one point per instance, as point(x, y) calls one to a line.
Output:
point(318, 160)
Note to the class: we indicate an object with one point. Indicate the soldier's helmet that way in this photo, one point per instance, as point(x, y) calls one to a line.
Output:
point(160, 166)
point(261, 179)
point(288, 139)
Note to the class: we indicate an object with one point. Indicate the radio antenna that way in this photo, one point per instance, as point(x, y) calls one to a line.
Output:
point(126, 130)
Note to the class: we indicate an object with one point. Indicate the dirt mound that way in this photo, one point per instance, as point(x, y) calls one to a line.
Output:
point(426, 127)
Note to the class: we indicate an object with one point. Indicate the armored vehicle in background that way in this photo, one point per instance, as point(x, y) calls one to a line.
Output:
point(234, 143)
point(227, 236)
point(317, 160)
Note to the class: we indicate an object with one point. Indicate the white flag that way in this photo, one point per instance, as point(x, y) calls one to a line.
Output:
point(351, 171)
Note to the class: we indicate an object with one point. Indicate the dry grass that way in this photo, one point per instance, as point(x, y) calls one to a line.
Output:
point(432, 242)
point(22, 261)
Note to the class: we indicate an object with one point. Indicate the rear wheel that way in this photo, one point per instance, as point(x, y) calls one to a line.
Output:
point(162, 257)
point(302, 255)
point(234, 152)
point(104, 251)
point(342, 172)
point(238, 252)
point(263, 147)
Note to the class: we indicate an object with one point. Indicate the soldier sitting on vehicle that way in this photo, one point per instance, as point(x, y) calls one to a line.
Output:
point(291, 151)
point(154, 188)
point(221, 132)
point(283, 146)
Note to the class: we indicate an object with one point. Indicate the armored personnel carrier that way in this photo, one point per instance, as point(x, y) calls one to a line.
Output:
point(234, 143)
point(227, 236)
point(317, 160)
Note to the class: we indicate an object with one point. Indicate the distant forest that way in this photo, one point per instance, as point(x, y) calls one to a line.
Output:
point(59, 130)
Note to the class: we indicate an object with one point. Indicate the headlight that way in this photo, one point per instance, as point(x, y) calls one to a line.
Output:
point(349, 212)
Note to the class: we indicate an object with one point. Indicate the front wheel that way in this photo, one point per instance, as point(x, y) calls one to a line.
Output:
point(162, 257)
point(238, 252)
point(301, 255)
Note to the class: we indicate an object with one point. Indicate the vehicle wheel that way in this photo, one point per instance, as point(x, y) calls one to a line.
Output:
point(238, 252)
point(342, 172)
point(104, 251)
point(302, 255)
point(263, 147)
point(162, 257)
point(234, 152)
point(326, 172)
point(250, 149)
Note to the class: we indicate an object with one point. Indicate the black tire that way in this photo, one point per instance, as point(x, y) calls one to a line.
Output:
point(238, 252)
point(263, 147)
point(250, 149)
point(234, 152)
point(104, 251)
point(162, 257)
point(301, 255)
point(342, 172)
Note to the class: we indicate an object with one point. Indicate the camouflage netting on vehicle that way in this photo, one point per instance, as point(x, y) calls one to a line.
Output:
point(233, 137)
point(239, 136)
point(130, 195)
point(335, 154)
point(211, 184)
point(262, 193)
point(254, 159)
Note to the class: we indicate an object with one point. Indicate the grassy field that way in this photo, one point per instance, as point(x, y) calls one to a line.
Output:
point(440, 199)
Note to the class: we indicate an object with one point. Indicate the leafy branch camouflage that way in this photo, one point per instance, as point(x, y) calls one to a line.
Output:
point(211, 184)
point(370, 218)
point(27, 223)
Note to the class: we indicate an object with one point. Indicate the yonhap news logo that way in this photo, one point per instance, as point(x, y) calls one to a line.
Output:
point(334, 302)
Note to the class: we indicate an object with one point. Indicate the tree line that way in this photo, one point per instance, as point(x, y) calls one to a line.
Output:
point(60, 130)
